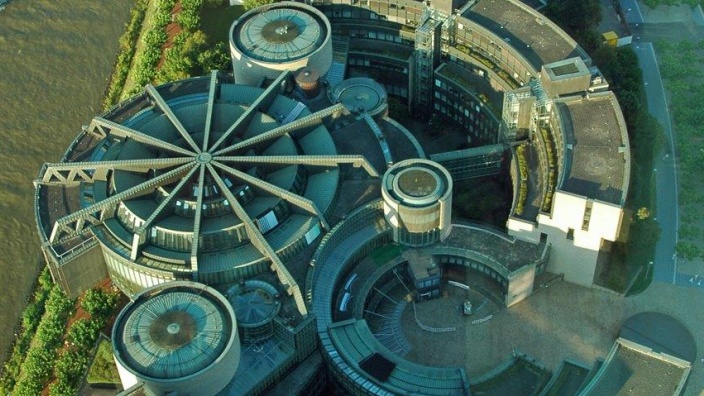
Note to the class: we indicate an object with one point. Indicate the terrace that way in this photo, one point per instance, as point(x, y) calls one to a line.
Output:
point(597, 164)
point(530, 33)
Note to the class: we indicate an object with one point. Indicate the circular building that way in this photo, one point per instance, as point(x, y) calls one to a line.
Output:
point(278, 37)
point(256, 304)
point(200, 179)
point(180, 337)
point(418, 201)
point(308, 81)
point(361, 95)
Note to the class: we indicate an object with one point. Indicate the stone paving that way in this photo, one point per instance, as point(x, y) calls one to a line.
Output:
point(557, 322)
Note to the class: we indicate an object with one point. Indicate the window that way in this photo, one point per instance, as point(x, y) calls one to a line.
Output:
point(587, 216)
point(570, 234)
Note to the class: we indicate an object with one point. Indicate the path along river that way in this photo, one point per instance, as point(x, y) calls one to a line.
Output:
point(55, 60)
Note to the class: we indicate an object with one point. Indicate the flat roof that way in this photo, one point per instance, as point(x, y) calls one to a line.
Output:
point(597, 159)
point(529, 32)
point(661, 333)
point(360, 94)
point(510, 252)
point(631, 369)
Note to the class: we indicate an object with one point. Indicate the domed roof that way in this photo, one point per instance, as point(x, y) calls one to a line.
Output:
point(174, 331)
point(280, 32)
point(199, 175)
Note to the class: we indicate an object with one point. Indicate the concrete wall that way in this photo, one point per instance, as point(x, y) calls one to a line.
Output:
point(520, 285)
point(576, 242)
point(79, 273)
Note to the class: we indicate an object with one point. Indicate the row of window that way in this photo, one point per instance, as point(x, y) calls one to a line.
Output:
point(475, 129)
point(474, 265)
point(491, 50)
point(129, 278)
point(418, 238)
point(376, 35)
point(366, 62)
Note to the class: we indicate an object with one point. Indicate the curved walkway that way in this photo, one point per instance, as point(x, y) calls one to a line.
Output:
point(665, 265)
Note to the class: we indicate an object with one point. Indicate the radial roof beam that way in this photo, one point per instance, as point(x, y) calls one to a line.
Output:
point(195, 247)
point(262, 102)
point(309, 120)
point(93, 129)
point(211, 106)
point(259, 242)
point(75, 172)
point(312, 160)
point(127, 132)
point(171, 116)
point(74, 223)
point(140, 235)
point(296, 200)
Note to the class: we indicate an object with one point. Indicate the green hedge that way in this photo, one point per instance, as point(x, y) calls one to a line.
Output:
point(31, 317)
point(523, 170)
point(146, 62)
point(41, 356)
point(128, 45)
point(552, 168)
point(81, 338)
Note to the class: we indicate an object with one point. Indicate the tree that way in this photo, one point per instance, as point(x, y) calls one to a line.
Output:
point(643, 213)
point(99, 303)
point(215, 58)
point(192, 56)
point(189, 19)
point(83, 333)
point(574, 15)
point(250, 4)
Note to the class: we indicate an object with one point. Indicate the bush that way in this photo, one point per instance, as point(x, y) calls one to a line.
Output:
point(81, 338)
point(128, 45)
point(39, 364)
point(523, 183)
point(30, 321)
point(250, 4)
point(153, 40)
point(99, 303)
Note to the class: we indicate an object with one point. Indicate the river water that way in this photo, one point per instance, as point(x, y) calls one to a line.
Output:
point(55, 59)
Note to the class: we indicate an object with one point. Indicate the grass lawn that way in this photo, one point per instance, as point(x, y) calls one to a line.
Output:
point(385, 253)
point(216, 22)
point(103, 369)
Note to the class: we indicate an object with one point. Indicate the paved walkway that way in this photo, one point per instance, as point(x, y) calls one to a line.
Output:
point(665, 166)
point(570, 321)
point(665, 169)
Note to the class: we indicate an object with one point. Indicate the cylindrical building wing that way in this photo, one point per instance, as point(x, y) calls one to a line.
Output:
point(418, 201)
point(276, 37)
point(178, 337)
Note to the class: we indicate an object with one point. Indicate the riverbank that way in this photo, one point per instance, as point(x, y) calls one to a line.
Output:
point(132, 60)
point(57, 57)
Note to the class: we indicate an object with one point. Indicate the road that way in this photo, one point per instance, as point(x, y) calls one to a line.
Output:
point(665, 266)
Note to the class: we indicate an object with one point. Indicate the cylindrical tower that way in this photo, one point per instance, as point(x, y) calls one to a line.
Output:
point(177, 337)
point(361, 95)
point(418, 201)
point(308, 81)
point(280, 36)
point(256, 304)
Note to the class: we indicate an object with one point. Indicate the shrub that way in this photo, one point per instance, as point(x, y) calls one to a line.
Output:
point(39, 364)
point(128, 44)
point(99, 303)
